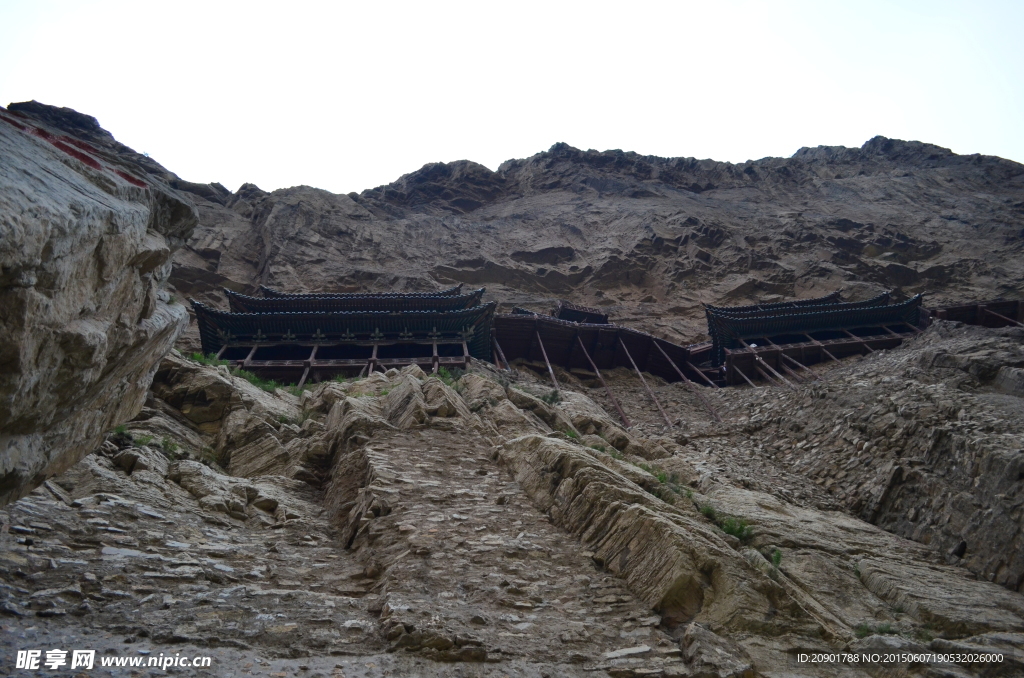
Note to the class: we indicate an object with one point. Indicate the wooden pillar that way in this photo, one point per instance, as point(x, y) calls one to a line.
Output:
point(435, 360)
point(501, 354)
point(248, 358)
point(611, 396)
point(702, 375)
point(740, 372)
point(822, 347)
point(758, 359)
point(689, 384)
point(546, 361)
point(465, 355)
point(1002, 317)
point(221, 351)
point(644, 382)
point(796, 362)
point(371, 364)
point(309, 364)
point(859, 340)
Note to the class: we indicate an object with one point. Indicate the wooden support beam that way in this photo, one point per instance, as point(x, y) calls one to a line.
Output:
point(692, 386)
point(702, 375)
point(371, 364)
point(302, 381)
point(822, 347)
point(1001, 317)
point(644, 382)
point(500, 353)
point(611, 396)
point(465, 356)
point(860, 341)
point(434, 360)
point(801, 365)
point(740, 372)
point(546, 361)
point(248, 358)
point(796, 362)
point(791, 373)
point(221, 351)
point(767, 366)
point(767, 377)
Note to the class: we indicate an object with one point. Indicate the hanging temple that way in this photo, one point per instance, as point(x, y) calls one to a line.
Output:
point(313, 337)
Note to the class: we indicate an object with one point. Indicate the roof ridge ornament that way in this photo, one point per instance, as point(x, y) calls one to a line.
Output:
point(405, 333)
point(259, 337)
point(377, 334)
point(434, 334)
point(288, 335)
point(318, 335)
point(348, 336)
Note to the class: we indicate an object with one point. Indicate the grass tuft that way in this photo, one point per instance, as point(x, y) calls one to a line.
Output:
point(553, 397)
point(776, 558)
point(210, 359)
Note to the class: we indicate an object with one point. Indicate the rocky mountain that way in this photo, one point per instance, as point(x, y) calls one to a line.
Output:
point(647, 238)
point(478, 524)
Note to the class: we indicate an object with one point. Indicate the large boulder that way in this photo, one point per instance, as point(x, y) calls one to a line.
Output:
point(87, 229)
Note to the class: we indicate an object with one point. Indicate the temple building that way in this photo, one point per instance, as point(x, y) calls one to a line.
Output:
point(311, 337)
point(299, 337)
point(776, 341)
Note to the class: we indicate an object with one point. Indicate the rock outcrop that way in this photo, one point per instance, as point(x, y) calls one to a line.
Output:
point(87, 232)
point(412, 522)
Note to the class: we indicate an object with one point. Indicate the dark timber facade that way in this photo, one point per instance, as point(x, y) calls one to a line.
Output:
point(300, 337)
point(775, 342)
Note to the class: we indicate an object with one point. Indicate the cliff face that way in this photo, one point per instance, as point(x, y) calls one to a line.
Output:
point(403, 522)
point(88, 229)
point(647, 238)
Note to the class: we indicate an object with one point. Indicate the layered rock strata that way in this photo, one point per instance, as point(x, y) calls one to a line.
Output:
point(406, 522)
point(87, 231)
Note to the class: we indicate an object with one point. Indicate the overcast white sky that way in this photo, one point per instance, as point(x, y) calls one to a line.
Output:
point(348, 96)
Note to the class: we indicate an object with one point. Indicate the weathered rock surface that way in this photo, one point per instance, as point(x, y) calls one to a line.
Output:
point(411, 524)
point(646, 238)
point(406, 522)
point(87, 231)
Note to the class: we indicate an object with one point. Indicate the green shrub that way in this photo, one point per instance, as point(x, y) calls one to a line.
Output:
point(776, 558)
point(616, 454)
point(169, 445)
point(208, 359)
point(599, 448)
point(709, 512)
point(572, 434)
point(268, 385)
point(553, 397)
point(737, 527)
point(662, 477)
point(445, 376)
point(885, 628)
point(284, 419)
point(862, 630)
point(120, 429)
point(143, 440)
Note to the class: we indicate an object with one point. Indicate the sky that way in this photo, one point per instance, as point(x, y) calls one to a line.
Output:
point(349, 96)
